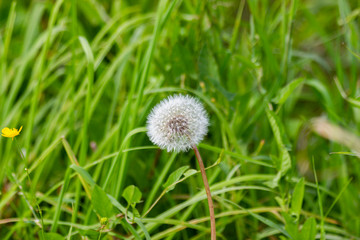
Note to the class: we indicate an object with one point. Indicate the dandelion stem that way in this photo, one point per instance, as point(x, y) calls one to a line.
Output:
point(208, 193)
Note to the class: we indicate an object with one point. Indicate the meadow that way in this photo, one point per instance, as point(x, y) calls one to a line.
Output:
point(278, 79)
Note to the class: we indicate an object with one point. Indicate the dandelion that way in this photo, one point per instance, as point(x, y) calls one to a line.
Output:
point(10, 133)
point(179, 123)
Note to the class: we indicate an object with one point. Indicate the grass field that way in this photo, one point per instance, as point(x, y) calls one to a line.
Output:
point(279, 80)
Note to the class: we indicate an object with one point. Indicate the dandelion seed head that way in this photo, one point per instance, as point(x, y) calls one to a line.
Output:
point(177, 123)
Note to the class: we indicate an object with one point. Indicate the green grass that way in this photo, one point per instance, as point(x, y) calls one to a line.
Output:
point(81, 76)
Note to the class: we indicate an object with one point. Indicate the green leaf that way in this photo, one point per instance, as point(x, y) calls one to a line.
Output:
point(297, 198)
point(290, 225)
point(308, 231)
point(87, 49)
point(53, 236)
point(284, 163)
point(101, 202)
point(286, 91)
point(132, 195)
point(278, 129)
point(174, 177)
point(84, 174)
point(190, 172)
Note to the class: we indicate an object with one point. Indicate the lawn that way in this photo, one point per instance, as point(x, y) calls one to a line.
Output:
point(279, 83)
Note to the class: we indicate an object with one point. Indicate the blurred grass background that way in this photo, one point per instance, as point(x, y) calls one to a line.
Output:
point(81, 76)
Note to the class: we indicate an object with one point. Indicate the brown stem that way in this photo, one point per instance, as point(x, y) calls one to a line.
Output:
point(208, 193)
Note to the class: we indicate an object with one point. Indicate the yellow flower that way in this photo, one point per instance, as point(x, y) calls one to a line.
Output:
point(10, 133)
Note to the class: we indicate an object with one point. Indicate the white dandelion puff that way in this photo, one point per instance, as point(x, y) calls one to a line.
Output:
point(177, 123)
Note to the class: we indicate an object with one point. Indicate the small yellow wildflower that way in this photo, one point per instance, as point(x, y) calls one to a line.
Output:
point(10, 133)
point(104, 221)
